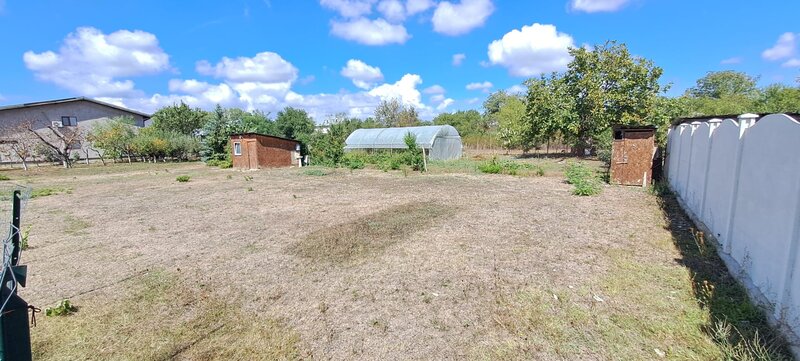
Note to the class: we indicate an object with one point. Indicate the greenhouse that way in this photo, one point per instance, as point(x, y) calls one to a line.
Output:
point(440, 142)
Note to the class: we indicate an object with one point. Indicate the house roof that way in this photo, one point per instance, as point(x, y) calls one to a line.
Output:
point(263, 135)
point(75, 99)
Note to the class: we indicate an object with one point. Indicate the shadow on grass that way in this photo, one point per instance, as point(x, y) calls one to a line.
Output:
point(738, 326)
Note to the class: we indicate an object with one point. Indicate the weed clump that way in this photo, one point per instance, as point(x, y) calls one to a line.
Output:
point(315, 172)
point(494, 166)
point(64, 308)
point(583, 180)
point(183, 178)
point(4, 177)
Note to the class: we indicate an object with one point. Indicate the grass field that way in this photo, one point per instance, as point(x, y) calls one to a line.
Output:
point(338, 264)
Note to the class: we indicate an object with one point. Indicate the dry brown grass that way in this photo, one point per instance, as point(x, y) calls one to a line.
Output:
point(370, 235)
point(258, 274)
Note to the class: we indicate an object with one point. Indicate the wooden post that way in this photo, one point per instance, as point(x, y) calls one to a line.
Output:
point(424, 160)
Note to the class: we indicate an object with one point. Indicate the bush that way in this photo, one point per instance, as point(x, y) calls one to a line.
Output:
point(583, 180)
point(225, 164)
point(355, 160)
point(183, 178)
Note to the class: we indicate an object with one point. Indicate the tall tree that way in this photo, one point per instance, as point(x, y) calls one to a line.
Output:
point(721, 84)
point(549, 108)
point(387, 113)
point(468, 122)
point(608, 86)
point(778, 98)
point(179, 118)
point(294, 124)
point(514, 128)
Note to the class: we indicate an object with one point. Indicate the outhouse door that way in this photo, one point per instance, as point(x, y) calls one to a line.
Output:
point(252, 153)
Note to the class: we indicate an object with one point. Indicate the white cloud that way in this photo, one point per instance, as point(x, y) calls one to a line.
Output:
point(791, 63)
point(90, 63)
point(458, 59)
point(444, 104)
point(460, 18)
point(392, 10)
point(593, 6)
point(363, 76)
point(349, 8)
point(517, 89)
point(434, 89)
point(370, 32)
point(438, 98)
point(190, 86)
point(533, 50)
point(485, 86)
point(784, 48)
point(730, 61)
point(418, 6)
point(404, 89)
point(265, 67)
point(473, 101)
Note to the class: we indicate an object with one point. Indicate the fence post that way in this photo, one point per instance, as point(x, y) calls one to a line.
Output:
point(745, 121)
point(713, 124)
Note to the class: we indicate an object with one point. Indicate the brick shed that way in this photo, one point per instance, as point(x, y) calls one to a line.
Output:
point(254, 151)
point(632, 155)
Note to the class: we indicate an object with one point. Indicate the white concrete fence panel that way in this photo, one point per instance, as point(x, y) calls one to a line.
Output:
point(740, 180)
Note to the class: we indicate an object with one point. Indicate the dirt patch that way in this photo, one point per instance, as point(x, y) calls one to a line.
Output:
point(156, 317)
point(369, 235)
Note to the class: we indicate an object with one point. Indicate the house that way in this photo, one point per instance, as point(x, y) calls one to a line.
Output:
point(254, 151)
point(73, 114)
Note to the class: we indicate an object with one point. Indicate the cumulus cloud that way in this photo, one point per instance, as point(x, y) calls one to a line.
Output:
point(349, 8)
point(363, 76)
point(444, 104)
point(190, 86)
point(392, 10)
point(370, 32)
point(404, 89)
point(460, 18)
point(267, 67)
point(418, 6)
point(458, 59)
point(532, 50)
point(90, 62)
point(784, 48)
point(434, 89)
point(791, 63)
point(593, 6)
point(485, 86)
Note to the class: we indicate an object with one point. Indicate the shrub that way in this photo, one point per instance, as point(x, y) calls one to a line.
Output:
point(225, 164)
point(213, 162)
point(183, 178)
point(493, 166)
point(64, 308)
point(583, 180)
point(354, 160)
point(23, 242)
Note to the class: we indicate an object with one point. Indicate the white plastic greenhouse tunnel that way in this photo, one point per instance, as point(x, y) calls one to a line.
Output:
point(440, 142)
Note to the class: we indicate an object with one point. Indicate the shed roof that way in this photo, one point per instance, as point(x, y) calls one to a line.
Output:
point(393, 137)
point(262, 135)
point(76, 99)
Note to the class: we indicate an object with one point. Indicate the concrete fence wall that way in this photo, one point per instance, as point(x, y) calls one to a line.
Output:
point(740, 179)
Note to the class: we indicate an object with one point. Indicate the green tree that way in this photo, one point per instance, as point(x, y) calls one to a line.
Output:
point(468, 122)
point(723, 92)
point(514, 126)
point(114, 137)
point(778, 98)
point(180, 119)
point(608, 86)
point(294, 124)
point(327, 148)
point(721, 84)
point(387, 113)
point(549, 107)
point(492, 105)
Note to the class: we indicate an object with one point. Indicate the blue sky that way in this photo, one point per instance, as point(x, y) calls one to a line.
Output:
point(330, 56)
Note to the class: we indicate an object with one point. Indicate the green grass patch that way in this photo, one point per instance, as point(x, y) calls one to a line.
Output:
point(368, 236)
point(4, 177)
point(315, 172)
point(44, 192)
point(495, 166)
point(183, 178)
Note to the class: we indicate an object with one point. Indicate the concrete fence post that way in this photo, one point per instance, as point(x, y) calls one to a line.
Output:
point(745, 121)
point(713, 124)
